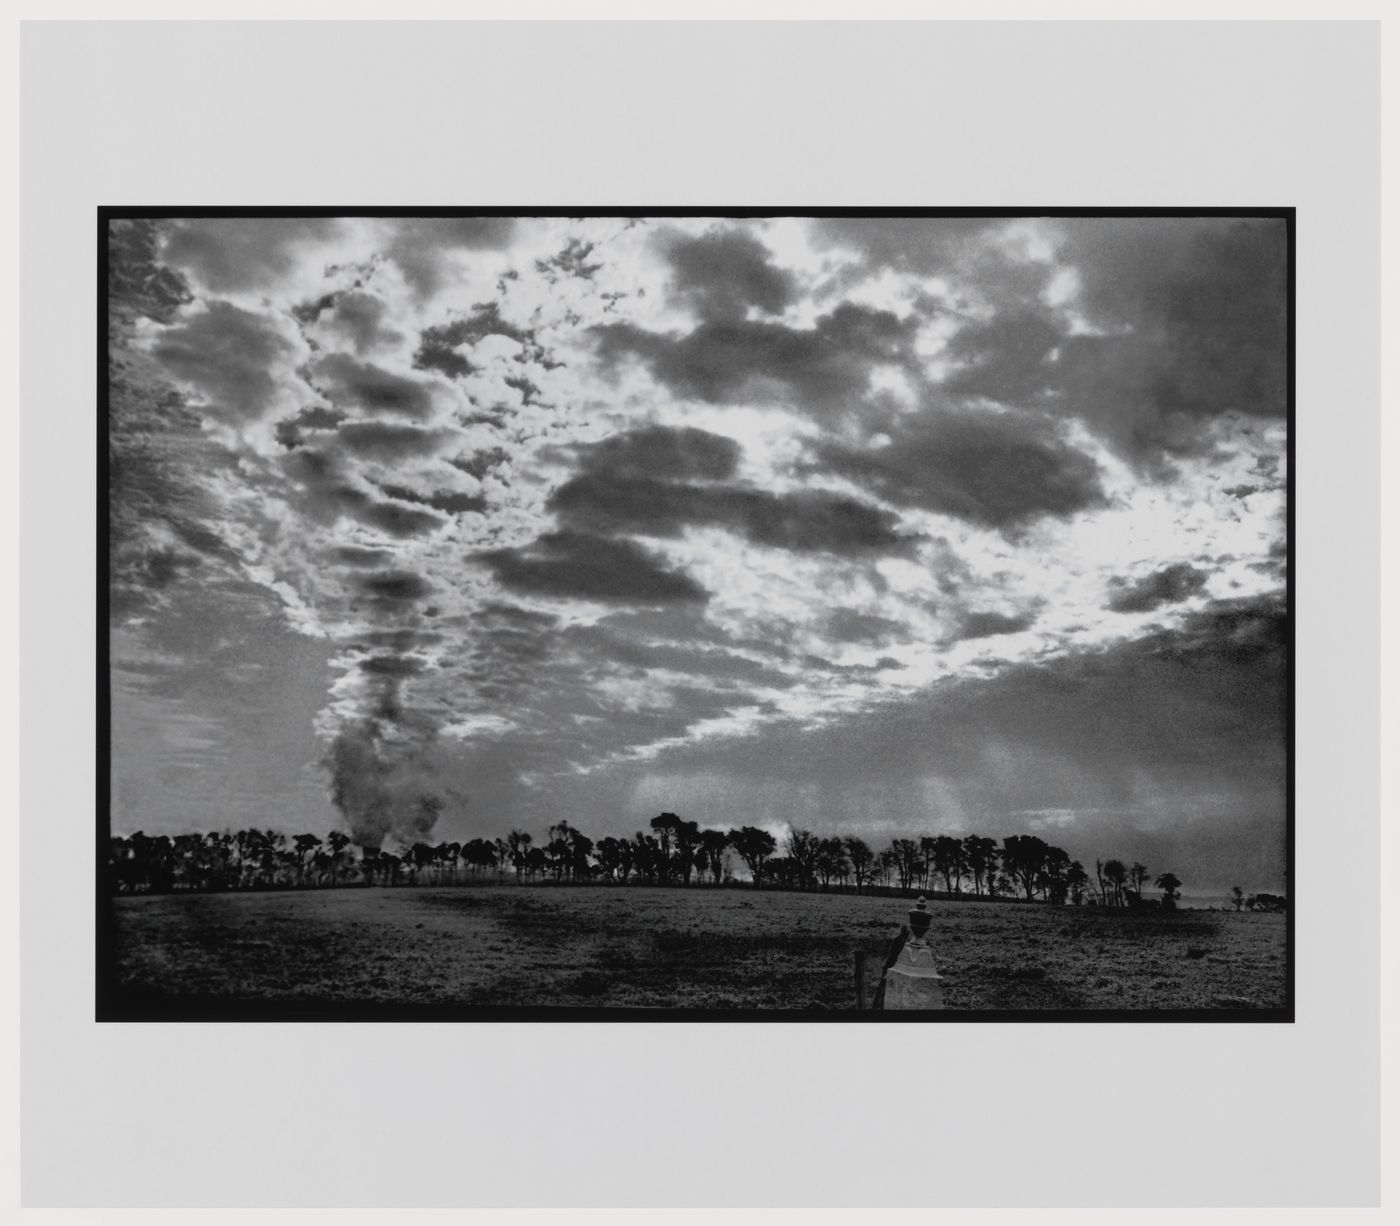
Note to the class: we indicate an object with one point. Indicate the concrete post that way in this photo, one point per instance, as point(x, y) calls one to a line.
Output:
point(913, 982)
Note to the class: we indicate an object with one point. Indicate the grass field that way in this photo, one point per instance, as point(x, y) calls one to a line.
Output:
point(675, 948)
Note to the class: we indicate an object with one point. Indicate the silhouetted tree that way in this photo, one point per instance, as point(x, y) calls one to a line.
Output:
point(980, 856)
point(1170, 885)
point(1023, 860)
point(517, 847)
point(712, 847)
point(948, 860)
point(1116, 874)
point(1076, 880)
point(928, 846)
point(905, 857)
point(755, 847)
point(1236, 897)
point(1137, 874)
point(783, 871)
point(1053, 877)
point(801, 848)
point(687, 835)
point(830, 860)
point(608, 853)
point(859, 853)
point(338, 842)
point(648, 857)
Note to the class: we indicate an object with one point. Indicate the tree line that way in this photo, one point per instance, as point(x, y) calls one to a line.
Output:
point(671, 852)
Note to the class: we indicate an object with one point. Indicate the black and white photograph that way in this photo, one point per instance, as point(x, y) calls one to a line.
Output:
point(709, 614)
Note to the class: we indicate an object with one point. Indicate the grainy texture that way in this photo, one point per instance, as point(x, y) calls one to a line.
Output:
point(678, 948)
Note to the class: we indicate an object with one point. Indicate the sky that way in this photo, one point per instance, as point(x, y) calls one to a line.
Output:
point(874, 526)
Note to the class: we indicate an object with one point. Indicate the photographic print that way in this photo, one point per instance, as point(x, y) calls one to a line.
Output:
point(709, 614)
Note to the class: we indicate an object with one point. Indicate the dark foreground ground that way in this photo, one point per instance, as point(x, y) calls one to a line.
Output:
point(730, 949)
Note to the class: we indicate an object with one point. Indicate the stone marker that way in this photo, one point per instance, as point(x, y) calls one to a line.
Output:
point(913, 982)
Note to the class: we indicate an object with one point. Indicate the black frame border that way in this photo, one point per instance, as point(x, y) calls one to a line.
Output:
point(111, 1004)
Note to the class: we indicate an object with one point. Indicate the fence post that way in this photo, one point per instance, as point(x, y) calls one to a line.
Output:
point(860, 979)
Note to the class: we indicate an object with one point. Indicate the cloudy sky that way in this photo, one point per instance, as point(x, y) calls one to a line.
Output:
point(879, 526)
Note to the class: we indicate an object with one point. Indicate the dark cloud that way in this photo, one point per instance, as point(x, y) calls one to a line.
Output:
point(823, 368)
point(291, 431)
point(438, 345)
point(400, 640)
point(985, 625)
point(392, 666)
point(1166, 586)
point(359, 316)
point(328, 491)
point(572, 261)
point(849, 626)
point(479, 463)
point(998, 469)
point(389, 441)
point(446, 502)
point(137, 281)
point(355, 555)
point(575, 564)
point(395, 586)
point(1196, 315)
point(813, 520)
point(418, 242)
point(1007, 357)
point(1243, 634)
point(805, 521)
point(529, 392)
point(229, 354)
point(1188, 320)
point(363, 385)
point(684, 454)
point(724, 272)
point(243, 253)
point(641, 483)
point(399, 520)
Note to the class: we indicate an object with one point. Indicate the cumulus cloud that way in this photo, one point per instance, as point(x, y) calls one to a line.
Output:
point(616, 494)
point(576, 565)
point(996, 469)
point(418, 244)
point(357, 316)
point(677, 454)
point(395, 586)
point(371, 389)
point(237, 360)
point(821, 369)
point(1191, 320)
point(981, 625)
point(440, 345)
point(1166, 586)
point(326, 488)
point(805, 521)
point(722, 273)
point(234, 254)
point(390, 441)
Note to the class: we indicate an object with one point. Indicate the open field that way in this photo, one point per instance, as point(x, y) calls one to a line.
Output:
point(675, 948)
